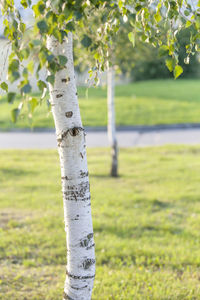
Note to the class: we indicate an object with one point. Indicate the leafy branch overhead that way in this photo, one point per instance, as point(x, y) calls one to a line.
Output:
point(155, 22)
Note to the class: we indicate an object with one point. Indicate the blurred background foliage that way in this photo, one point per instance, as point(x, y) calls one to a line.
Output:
point(143, 61)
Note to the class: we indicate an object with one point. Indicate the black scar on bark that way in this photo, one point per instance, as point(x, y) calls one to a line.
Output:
point(66, 297)
point(65, 177)
point(85, 241)
point(66, 79)
point(76, 288)
point(59, 95)
point(73, 132)
point(83, 174)
point(69, 114)
point(87, 263)
point(79, 192)
point(89, 247)
point(80, 277)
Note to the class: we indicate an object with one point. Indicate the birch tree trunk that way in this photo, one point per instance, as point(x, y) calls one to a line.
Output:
point(74, 173)
point(111, 121)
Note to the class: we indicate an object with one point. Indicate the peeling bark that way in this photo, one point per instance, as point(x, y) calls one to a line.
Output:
point(74, 174)
point(111, 122)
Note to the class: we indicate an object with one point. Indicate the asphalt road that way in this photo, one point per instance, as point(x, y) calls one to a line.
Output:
point(127, 138)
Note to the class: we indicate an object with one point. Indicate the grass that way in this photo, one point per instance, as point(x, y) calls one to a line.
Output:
point(146, 225)
point(141, 103)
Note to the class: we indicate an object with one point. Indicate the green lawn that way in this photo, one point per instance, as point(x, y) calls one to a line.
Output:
point(140, 103)
point(146, 222)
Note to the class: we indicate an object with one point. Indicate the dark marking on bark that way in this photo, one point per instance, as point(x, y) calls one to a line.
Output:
point(83, 174)
point(76, 94)
point(76, 218)
point(67, 297)
point(80, 277)
point(64, 178)
point(77, 288)
point(73, 132)
point(55, 91)
point(63, 135)
point(78, 192)
point(85, 241)
point(75, 196)
point(81, 154)
point(89, 247)
point(66, 79)
point(59, 95)
point(69, 114)
point(87, 263)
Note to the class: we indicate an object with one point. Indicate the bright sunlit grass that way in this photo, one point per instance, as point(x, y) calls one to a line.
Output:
point(140, 103)
point(146, 223)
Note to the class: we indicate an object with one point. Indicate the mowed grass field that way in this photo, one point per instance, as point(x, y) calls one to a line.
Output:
point(140, 103)
point(146, 223)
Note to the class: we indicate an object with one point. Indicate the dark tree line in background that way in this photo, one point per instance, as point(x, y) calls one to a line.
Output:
point(149, 65)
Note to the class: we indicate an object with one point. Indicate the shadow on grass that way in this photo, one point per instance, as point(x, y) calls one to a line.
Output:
point(11, 172)
point(108, 176)
point(139, 231)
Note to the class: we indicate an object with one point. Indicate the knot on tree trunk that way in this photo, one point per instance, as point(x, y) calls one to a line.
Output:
point(72, 131)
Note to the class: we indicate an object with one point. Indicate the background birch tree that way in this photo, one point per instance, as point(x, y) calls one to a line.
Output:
point(48, 44)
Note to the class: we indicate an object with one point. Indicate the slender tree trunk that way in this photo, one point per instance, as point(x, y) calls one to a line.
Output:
point(111, 121)
point(74, 173)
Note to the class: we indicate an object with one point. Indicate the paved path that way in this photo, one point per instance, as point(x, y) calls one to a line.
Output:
point(128, 138)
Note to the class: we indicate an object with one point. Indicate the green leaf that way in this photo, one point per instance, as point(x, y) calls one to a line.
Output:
point(26, 88)
point(188, 24)
point(42, 25)
point(58, 35)
point(86, 41)
point(33, 102)
point(62, 60)
point(41, 85)
point(22, 27)
point(186, 13)
point(120, 3)
point(24, 3)
point(4, 86)
point(13, 76)
point(42, 57)
point(30, 66)
point(14, 114)
point(131, 37)
point(163, 50)
point(39, 8)
point(51, 79)
point(14, 65)
point(11, 97)
point(170, 64)
point(25, 53)
point(178, 71)
point(158, 17)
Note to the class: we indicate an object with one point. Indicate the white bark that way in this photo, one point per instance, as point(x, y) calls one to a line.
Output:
point(75, 181)
point(111, 120)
